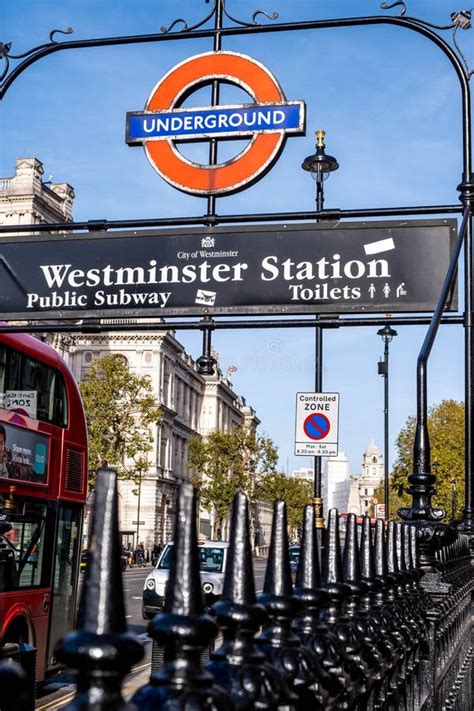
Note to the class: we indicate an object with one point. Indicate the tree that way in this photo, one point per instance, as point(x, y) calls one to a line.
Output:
point(120, 408)
point(446, 430)
point(295, 492)
point(227, 461)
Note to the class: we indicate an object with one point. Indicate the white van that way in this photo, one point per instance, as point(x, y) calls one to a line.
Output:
point(212, 564)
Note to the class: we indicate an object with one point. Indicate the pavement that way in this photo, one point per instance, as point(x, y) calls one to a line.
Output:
point(64, 693)
point(58, 691)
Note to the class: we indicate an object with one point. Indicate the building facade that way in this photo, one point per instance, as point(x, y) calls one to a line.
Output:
point(305, 473)
point(371, 477)
point(348, 493)
point(26, 200)
point(191, 404)
point(336, 483)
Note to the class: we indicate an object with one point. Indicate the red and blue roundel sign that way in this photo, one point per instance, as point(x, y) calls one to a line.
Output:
point(267, 122)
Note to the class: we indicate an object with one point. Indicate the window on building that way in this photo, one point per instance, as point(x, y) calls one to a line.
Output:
point(166, 382)
point(178, 396)
point(121, 357)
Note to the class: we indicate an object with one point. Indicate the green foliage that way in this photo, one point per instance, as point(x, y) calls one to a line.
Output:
point(226, 462)
point(446, 430)
point(120, 408)
point(295, 492)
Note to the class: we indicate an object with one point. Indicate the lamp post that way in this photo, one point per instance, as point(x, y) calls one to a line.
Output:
point(453, 498)
point(319, 165)
point(138, 506)
point(206, 362)
point(387, 334)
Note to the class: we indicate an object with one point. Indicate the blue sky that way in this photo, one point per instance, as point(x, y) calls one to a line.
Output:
point(390, 103)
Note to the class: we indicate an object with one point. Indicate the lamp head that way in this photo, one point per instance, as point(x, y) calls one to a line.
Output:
point(320, 164)
point(387, 333)
point(205, 365)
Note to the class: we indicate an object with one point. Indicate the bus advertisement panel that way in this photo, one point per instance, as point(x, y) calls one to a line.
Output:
point(23, 454)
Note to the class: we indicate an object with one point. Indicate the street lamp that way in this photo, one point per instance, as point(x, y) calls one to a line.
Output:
point(206, 362)
point(387, 334)
point(319, 165)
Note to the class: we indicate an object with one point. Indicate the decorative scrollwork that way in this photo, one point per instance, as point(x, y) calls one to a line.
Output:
point(386, 6)
point(4, 50)
point(67, 31)
point(462, 21)
point(222, 3)
point(6, 55)
point(242, 23)
point(459, 21)
point(185, 27)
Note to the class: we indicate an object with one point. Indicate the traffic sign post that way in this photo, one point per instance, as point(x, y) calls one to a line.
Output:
point(317, 424)
point(379, 510)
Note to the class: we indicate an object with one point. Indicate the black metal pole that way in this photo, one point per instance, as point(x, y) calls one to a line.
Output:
point(98, 226)
point(138, 506)
point(386, 435)
point(211, 199)
point(318, 378)
point(422, 480)
point(468, 510)
point(318, 382)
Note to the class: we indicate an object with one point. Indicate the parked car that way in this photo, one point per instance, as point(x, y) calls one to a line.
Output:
point(212, 564)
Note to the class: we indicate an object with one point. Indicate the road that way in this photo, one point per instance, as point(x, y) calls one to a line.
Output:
point(60, 691)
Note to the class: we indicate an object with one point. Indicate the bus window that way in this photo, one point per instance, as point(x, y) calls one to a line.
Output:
point(21, 374)
point(24, 560)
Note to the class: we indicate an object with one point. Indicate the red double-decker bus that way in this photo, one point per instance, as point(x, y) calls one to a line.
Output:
point(43, 481)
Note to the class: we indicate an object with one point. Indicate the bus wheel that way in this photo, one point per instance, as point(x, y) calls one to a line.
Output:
point(17, 632)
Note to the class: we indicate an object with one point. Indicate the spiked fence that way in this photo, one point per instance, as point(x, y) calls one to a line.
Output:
point(368, 628)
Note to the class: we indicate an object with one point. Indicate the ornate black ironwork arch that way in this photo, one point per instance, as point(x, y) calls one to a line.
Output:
point(219, 23)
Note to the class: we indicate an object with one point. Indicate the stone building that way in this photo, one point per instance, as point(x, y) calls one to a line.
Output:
point(371, 477)
point(352, 493)
point(26, 200)
point(305, 473)
point(336, 483)
point(191, 404)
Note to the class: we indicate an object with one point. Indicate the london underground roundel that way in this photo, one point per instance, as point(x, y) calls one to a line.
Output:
point(267, 121)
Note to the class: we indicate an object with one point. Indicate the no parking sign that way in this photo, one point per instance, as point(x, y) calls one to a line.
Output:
point(317, 424)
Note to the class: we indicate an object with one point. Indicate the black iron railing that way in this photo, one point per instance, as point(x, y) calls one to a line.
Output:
point(369, 628)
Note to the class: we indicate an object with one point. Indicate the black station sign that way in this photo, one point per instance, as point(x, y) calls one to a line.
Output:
point(368, 267)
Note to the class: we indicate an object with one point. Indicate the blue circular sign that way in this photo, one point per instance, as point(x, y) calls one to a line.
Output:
point(316, 426)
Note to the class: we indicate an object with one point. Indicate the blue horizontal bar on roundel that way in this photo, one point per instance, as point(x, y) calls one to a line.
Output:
point(225, 121)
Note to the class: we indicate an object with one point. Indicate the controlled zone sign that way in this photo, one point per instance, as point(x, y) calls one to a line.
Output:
point(317, 424)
